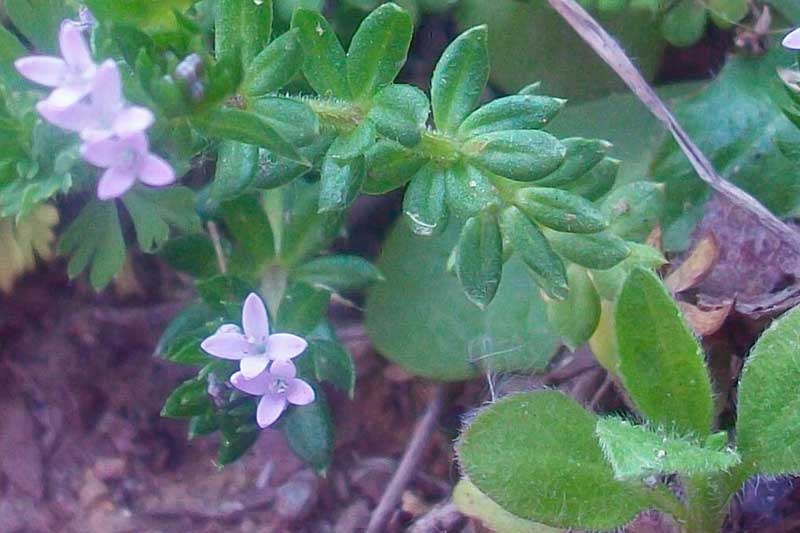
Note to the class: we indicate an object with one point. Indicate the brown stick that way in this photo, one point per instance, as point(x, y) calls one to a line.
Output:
point(612, 53)
point(408, 464)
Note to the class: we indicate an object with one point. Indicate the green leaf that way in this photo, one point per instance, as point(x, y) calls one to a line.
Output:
point(10, 49)
point(479, 258)
point(560, 210)
point(390, 165)
point(424, 201)
point(637, 452)
point(144, 14)
point(224, 292)
point(378, 50)
point(596, 183)
point(459, 79)
point(634, 209)
point(582, 155)
point(338, 273)
point(354, 143)
point(324, 63)
point(420, 319)
point(246, 127)
point(309, 431)
point(94, 240)
point(522, 155)
point(661, 363)
point(340, 182)
point(302, 309)
point(239, 433)
point(247, 222)
point(528, 242)
point(469, 190)
point(192, 254)
point(515, 112)
point(537, 456)
point(745, 101)
point(333, 364)
point(188, 400)
point(768, 425)
point(155, 211)
point(236, 168)
point(400, 113)
point(306, 232)
point(202, 425)
point(191, 322)
point(294, 120)
point(685, 23)
point(242, 29)
point(597, 251)
point(39, 20)
point(609, 281)
point(726, 12)
point(476, 504)
point(576, 317)
point(274, 67)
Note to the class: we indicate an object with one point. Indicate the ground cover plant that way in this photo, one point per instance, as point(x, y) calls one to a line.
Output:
point(234, 143)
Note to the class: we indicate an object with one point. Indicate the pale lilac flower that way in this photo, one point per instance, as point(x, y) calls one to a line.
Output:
point(278, 387)
point(106, 113)
point(72, 75)
point(792, 41)
point(127, 159)
point(254, 347)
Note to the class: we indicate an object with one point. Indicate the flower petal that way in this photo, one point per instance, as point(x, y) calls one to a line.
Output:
point(285, 346)
point(253, 366)
point(103, 153)
point(73, 46)
point(44, 70)
point(254, 318)
point(227, 346)
point(269, 409)
point(156, 172)
point(133, 119)
point(792, 41)
point(74, 118)
point(300, 392)
point(283, 369)
point(256, 386)
point(107, 90)
point(67, 95)
point(114, 183)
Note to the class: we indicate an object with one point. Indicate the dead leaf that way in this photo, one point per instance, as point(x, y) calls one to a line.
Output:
point(696, 267)
point(705, 322)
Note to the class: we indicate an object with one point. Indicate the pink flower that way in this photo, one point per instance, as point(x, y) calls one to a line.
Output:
point(72, 75)
point(278, 387)
point(127, 159)
point(792, 41)
point(254, 347)
point(105, 115)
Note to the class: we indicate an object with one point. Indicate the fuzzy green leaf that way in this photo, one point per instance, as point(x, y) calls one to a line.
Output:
point(324, 62)
point(479, 258)
point(636, 452)
point(528, 242)
point(768, 425)
point(378, 50)
point(576, 317)
point(340, 182)
point(235, 170)
point(522, 155)
point(424, 202)
point(400, 113)
point(537, 456)
point(242, 29)
point(597, 251)
point(390, 166)
point(469, 190)
point(294, 120)
point(581, 156)
point(596, 183)
point(634, 209)
point(476, 504)
point(661, 363)
point(274, 67)
point(560, 210)
point(459, 79)
point(355, 143)
point(515, 112)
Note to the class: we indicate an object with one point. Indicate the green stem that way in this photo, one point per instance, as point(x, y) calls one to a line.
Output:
point(708, 504)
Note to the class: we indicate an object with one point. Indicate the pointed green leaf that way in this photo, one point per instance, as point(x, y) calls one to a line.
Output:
point(155, 211)
point(522, 155)
point(294, 120)
point(560, 210)
point(390, 165)
point(594, 184)
point(479, 258)
point(476, 504)
point(661, 363)
point(768, 425)
point(527, 241)
point(274, 67)
point(400, 113)
point(355, 143)
point(378, 50)
point(424, 201)
point(242, 28)
point(537, 456)
point(597, 251)
point(634, 209)
point(459, 79)
point(247, 223)
point(340, 183)
point(609, 281)
point(469, 191)
point(236, 168)
point(324, 62)
point(338, 273)
point(515, 112)
point(575, 318)
point(582, 155)
point(309, 431)
point(333, 364)
point(188, 400)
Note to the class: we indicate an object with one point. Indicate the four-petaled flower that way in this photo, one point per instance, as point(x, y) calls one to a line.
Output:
point(792, 41)
point(106, 113)
point(72, 75)
point(278, 387)
point(126, 158)
point(254, 347)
